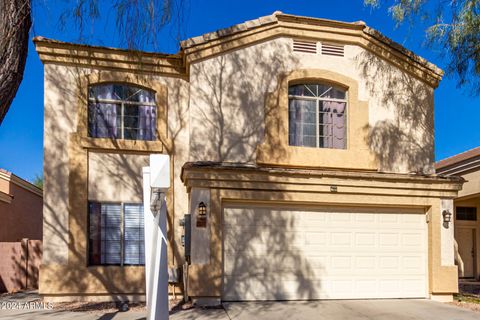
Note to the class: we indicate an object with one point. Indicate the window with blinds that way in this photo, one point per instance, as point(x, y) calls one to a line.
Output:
point(116, 234)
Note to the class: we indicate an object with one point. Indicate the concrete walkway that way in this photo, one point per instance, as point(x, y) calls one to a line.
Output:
point(334, 309)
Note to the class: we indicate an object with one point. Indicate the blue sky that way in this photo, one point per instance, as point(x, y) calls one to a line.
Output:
point(457, 114)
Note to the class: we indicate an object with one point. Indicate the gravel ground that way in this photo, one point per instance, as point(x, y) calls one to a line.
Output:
point(467, 305)
point(468, 296)
point(175, 306)
point(94, 307)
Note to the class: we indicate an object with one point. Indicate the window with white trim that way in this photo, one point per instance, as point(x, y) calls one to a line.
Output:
point(120, 111)
point(317, 116)
point(116, 235)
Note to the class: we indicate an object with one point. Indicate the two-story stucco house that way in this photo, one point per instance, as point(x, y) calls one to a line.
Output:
point(302, 148)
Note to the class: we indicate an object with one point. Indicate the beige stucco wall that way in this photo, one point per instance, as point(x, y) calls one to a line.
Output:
point(469, 196)
point(471, 202)
point(293, 189)
point(228, 103)
point(59, 121)
point(472, 184)
point(217, 116)
point(65, 149)
point(115, 176)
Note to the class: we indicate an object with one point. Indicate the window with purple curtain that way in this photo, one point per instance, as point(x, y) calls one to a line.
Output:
point(119, 111)
point(317, 116)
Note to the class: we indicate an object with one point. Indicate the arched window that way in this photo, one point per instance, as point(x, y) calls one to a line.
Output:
point(317, 116)
point(120, 111)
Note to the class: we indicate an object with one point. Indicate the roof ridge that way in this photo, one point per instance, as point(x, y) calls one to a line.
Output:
point(439, 163)
point(253, 23)
point(459, 154)
point(278, 16)
point(5, 171)
point(120, 50)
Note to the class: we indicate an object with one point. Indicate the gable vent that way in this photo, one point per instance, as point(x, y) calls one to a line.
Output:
point(304, 46)
point(331, 49)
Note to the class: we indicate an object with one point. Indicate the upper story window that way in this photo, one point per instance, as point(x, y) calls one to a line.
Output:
point(121, 111)
point(317, 116)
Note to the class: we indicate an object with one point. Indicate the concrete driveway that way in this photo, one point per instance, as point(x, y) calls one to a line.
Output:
point(349, 309)
point(332, 310)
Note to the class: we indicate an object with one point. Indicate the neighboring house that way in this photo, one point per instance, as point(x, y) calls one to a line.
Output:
point(467, 206)
point(21, 205)
point(302, 148)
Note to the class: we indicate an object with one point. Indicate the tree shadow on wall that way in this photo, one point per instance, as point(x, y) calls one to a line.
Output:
point(228, 109)
point(23, 269)
point(403, 140)
point(228, 94)
point(250, 237)
point(65, 219)
point(226, 125)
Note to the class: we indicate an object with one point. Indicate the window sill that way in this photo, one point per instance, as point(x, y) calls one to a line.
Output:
point(120, 144)
point(113, 266)
point(316, 148)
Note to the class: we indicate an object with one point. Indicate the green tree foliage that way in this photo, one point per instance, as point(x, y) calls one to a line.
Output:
point(454, 26)
point(38, 181)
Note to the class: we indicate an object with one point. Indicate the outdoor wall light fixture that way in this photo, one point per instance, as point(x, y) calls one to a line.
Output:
point(447, 217)
point(155, 203)
point(202, 215)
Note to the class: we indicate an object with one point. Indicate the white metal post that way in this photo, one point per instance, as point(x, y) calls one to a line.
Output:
point(156, 181)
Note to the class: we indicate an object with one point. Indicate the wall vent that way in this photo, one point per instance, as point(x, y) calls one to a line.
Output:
point(304, 46)
point(332, 49)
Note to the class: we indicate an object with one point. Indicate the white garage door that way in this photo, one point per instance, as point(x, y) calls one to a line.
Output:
point(297, 253)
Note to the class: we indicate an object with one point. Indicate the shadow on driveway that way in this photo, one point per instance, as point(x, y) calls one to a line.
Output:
point(331, 310)
point(348, 309)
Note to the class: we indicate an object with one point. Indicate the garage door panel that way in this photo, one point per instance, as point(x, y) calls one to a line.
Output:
point(251, 289)
point(413, 262)
point(321, 254)
point(412, 239)
point(316, 238)
point(251, 265)
point(260, 217)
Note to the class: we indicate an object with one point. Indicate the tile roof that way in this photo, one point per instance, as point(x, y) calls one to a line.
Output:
point(461, 157)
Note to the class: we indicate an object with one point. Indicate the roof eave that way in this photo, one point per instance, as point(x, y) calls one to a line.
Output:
point(65, 53)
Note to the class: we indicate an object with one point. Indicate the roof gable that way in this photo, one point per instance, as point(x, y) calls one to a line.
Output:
point(244, 34)
point(279, 24)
